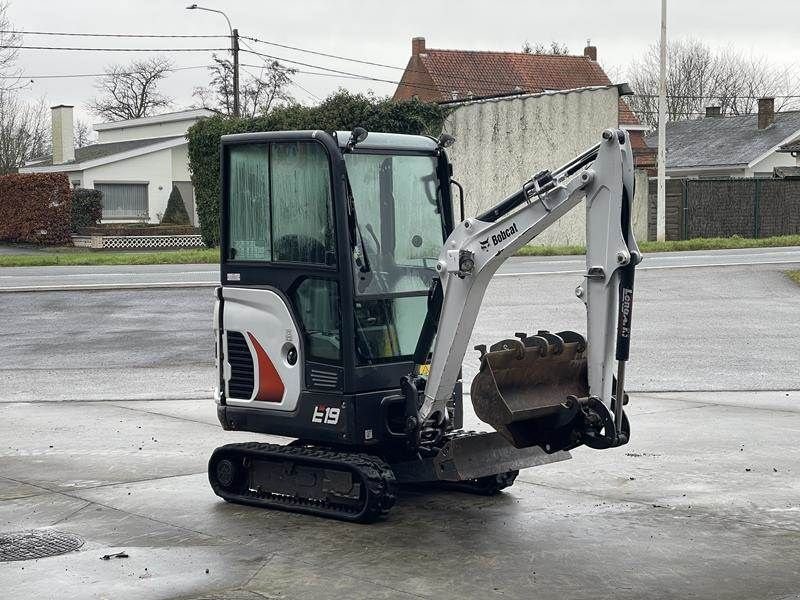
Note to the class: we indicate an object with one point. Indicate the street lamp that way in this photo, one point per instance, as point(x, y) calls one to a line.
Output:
point(234, 51)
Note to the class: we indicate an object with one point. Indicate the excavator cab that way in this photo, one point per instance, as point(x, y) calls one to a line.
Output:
point(329, 247)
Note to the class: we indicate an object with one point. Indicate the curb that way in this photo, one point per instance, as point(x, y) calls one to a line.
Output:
point(81, 287)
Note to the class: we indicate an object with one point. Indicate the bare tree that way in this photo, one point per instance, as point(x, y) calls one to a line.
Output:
point(24, 131)
point(698, 76)
point(556, 48)
point(83, 134)
point(258, 92)
point(9, 42)
point(131, 91)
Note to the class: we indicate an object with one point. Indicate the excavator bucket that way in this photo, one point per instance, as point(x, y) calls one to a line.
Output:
point(526, 387)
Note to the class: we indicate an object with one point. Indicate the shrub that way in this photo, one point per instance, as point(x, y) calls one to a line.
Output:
point(341, 111)
point(87, 208)
point(176, 210)
point(35, 208)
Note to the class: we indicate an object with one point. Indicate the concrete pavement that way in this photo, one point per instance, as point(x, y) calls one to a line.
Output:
point(155, 276)
point(703, 503)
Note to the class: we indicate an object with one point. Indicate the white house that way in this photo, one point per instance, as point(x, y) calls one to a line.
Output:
point(741, 146)
point(135, 163)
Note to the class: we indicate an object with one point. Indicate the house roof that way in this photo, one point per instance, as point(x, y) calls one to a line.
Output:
point(179, 115)
point(489, 74)
point(100, 151)
point(725, 141)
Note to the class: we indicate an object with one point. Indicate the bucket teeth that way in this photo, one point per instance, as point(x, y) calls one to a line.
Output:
point(553, 339)
point(571, 337)
point(522, 386)
point(504, 345)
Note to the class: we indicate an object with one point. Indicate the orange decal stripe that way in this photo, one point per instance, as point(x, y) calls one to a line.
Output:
point(270, 385)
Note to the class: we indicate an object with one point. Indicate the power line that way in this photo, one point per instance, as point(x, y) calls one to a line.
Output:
point(111, 35)
point(325, 54)
point(80, 75)
point(717, 96)
point(440, 89)
point(339, 72)
point(81, 49)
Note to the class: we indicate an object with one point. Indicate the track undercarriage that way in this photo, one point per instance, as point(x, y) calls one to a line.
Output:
point(332, 482)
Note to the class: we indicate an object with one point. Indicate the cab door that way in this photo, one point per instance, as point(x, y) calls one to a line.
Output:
point(277, 316)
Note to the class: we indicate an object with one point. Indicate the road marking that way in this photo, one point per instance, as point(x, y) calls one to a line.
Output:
point(657, 257)
point(107, 286)
point(92, 274)
point(655, 267)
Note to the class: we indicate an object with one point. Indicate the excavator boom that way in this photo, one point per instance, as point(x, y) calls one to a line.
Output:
point(522, 380)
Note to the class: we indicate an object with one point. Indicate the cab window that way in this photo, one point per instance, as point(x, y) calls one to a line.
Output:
point(279, 203)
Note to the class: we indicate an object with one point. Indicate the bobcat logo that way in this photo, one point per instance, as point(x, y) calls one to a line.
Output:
point(485, 244)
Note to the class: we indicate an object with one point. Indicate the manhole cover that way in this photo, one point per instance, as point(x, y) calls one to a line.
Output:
point(36, 543)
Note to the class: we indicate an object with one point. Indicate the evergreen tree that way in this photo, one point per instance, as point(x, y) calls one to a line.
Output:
point(176, 210)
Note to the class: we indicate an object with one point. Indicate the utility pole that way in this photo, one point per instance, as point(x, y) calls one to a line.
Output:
point(234, 34)
point(661, 198)
point(235, 52)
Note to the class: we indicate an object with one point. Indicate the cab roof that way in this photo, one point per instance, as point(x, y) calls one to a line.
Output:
point(389, 141)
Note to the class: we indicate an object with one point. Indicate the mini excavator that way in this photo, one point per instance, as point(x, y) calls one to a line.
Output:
point(348, 297)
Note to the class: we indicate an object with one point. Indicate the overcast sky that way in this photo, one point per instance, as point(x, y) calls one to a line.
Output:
point(381, 31)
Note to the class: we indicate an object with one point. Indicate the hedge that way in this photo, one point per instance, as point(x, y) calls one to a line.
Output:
point(35, 208)
point(341, 111)
point(87, 208)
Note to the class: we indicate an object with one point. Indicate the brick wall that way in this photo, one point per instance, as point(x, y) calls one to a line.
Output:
point(415, 81)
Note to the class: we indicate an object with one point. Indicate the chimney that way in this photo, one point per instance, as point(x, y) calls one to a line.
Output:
point(766, 112)
point(590, 51)
point(63, 143)
point(713, 111)
point(417, 46)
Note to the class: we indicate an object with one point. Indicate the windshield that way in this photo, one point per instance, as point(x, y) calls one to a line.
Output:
point(397, 209)
point(399, 230)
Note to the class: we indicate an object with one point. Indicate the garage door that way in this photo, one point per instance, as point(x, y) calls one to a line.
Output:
point(124, 200)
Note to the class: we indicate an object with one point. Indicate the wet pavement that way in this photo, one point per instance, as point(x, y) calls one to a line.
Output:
point(703, 503)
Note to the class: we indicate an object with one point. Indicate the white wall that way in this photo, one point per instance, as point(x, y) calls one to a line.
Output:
point(640, 199)
point(155, 169)
point(502, 143)
point(180, 163)
point(776, 159)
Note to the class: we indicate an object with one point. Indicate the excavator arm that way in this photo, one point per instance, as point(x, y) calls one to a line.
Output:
point(530, 388)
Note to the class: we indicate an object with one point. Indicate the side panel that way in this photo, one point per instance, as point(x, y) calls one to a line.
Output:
point(261, 319)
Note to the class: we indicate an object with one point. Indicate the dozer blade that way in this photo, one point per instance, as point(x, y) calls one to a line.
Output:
point(524, 385)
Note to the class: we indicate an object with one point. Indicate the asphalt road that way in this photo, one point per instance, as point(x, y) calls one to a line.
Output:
point(734, 327)
point(145, 276)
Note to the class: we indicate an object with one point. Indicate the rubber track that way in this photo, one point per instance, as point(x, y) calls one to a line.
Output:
point(377, 478)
